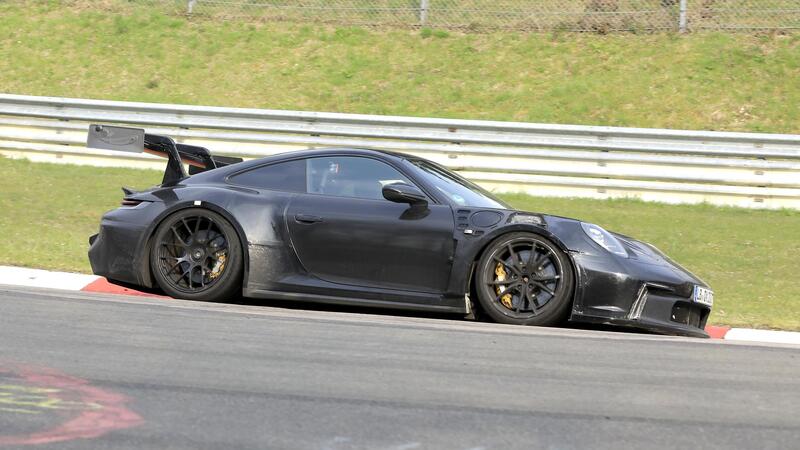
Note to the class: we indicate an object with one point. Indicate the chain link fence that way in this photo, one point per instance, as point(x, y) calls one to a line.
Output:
point(600, 16)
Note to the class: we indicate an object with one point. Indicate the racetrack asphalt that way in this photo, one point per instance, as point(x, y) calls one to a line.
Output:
point(209, 376)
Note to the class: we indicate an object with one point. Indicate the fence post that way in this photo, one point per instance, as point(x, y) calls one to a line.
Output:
point(682, 17)
point(190, 6)
point(423, 11)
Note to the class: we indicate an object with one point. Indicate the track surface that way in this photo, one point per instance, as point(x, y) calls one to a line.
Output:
point(205, 376)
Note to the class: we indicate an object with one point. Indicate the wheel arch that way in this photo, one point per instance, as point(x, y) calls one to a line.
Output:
point(145, 271)
point(491, 238)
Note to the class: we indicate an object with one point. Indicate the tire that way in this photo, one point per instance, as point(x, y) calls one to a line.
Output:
point(197, 255)
point(512, 288)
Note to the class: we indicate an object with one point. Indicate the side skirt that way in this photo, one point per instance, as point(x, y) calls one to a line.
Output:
point(316, 298)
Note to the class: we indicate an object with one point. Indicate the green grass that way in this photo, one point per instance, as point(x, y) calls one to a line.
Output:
point(50, 210)
point(748, 256)
point(714, 81)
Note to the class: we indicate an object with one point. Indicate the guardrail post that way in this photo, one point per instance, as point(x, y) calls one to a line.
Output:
point(682, 17)
point(423, 11)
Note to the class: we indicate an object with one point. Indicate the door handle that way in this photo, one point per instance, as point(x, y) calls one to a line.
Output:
point(307, 218)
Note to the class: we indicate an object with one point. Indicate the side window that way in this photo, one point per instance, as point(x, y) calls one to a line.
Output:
point(287, 176)
point(350, 176)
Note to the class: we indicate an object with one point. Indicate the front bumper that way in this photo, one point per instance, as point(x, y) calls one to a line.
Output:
point(656, 297)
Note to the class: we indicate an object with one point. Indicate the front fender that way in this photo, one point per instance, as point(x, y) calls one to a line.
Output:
point(471, 247)
point(476, 250)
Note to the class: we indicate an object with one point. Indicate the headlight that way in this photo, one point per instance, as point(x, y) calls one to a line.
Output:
point(604, 239)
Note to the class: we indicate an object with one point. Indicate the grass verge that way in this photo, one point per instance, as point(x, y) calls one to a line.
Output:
point(748, 256)
point(115, 50)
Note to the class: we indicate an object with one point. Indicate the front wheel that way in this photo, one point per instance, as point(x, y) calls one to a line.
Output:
point(524, 279)
point(196, 255)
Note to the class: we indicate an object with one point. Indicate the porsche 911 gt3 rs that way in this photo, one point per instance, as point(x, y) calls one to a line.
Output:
point(377, 228)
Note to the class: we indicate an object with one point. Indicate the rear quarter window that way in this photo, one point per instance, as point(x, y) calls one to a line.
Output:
point(287, 176)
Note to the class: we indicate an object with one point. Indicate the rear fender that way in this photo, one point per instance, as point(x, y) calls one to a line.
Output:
point(143, 263)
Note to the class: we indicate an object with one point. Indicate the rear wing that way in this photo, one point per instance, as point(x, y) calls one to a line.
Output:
point(135, 140)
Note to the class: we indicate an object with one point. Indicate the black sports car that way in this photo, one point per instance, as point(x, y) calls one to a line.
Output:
point(369, 227)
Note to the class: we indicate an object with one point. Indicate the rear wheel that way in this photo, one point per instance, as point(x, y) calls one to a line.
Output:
point(524, 279)
point(197, 255)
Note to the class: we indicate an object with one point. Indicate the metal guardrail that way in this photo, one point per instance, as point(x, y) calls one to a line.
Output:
point(744, 169)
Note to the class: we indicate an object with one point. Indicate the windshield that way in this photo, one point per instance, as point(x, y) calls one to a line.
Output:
point(457, 188)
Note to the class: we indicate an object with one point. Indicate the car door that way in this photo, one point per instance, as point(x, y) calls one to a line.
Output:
point(345, 232)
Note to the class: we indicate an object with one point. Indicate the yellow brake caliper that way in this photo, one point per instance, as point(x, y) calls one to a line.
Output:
point(218, 266)
point(500, 271)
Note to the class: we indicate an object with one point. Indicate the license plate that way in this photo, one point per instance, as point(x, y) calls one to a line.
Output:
point(703, 296)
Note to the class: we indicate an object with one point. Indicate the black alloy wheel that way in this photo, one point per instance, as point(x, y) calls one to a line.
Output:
point(197, 255)
point(525, 279)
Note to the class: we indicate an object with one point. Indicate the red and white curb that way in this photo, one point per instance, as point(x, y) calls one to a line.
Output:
point(21, 276)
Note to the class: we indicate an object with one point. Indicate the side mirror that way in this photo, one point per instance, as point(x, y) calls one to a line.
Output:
point(404, 193)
